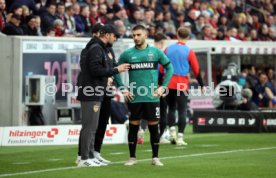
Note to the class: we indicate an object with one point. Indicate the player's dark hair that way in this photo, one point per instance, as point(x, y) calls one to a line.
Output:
point(139, 27)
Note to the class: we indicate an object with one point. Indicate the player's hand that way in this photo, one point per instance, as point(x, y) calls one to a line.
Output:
point(123, 67)
point(128, 95)
point(109, 81)
point(158, 92)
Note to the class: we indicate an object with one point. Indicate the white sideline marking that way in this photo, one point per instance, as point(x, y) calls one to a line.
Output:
point(22, 163)
point(146, 150)
point(164, 158)
point(118, 153)
point(180, 147)
point(54, 160)
point(209, 145)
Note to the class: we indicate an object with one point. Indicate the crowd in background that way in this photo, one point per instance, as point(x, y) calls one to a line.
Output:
point(261, 82)
point(244, 20)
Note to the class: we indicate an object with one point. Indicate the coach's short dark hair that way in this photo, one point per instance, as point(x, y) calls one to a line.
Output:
point(183, 32)
point(139, 27)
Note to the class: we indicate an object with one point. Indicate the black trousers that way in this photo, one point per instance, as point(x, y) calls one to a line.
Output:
point(177, 100)
point(105, 113)
point(163, 115)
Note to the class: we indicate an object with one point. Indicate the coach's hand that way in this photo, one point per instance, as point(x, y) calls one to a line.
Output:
point(159, 92)
point(123, 67)
point(109, 81)
point(128, 95)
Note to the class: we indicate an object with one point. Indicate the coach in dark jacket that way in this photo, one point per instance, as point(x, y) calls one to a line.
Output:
point(92, 83)
point(96, 69)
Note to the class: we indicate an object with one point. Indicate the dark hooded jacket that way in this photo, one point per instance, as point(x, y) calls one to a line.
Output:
point(95, 70)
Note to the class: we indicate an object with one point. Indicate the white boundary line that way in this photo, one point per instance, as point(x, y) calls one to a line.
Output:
point(142, 160)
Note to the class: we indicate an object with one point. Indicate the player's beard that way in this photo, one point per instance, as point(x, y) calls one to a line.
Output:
point(139, 44)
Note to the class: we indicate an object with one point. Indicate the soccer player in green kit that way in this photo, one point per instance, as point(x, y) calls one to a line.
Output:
point(144, 94)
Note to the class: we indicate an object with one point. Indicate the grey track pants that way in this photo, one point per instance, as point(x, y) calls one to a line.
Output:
point(90, 117)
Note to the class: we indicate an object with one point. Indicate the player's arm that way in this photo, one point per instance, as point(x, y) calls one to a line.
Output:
point(195, 67)
point(127, 94)
point(117, 77)
point(165, 62)
point(96, 66)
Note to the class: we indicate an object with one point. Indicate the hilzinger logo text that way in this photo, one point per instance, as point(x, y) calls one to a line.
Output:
point(34, 134)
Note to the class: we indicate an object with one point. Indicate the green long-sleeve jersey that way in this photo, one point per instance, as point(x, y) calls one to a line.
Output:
point(143, 73)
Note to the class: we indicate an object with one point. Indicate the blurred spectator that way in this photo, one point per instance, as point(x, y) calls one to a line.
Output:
point(151, 30)
point(214, 21)
point(187, 4)
point(206, 33)
point(223, 23)
point(243, 25)
point(220, 8)
point(236, 21)
point(212, 9)
point(214, 34)
point(120, 26)
point(29, 3)
point(58, 27)
point(158, 20)
point(241, 35)
point(271, 80)
point(51, 32)
point(76, 9)
point(220, 34)
point(253, 35)
point(83, 23)
point(247, 103)
point(25, 13)
point(16, 10)
point(192, 19)
point(60, 13)
point(174, 9)
point(169, 24)
point(264, 95)
point(70, 24)
point(200, 23)
point(102, 13)
point(167, 15)
point(13, 27)
point(255, 21)
point(93, 16)
point(272, 34)
point(263, 33)
point(2, 15)
point(179, 22)
point(232, 33)
point(252, 75)
point(135, 18)
point(38, 26)
point(148, 19)
point(109, 16)
point(29, 28)
point(48, 17)
point(231, 9)
point(131, 7)
point(271, 21)
point(118, 12)
point(188, 26)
